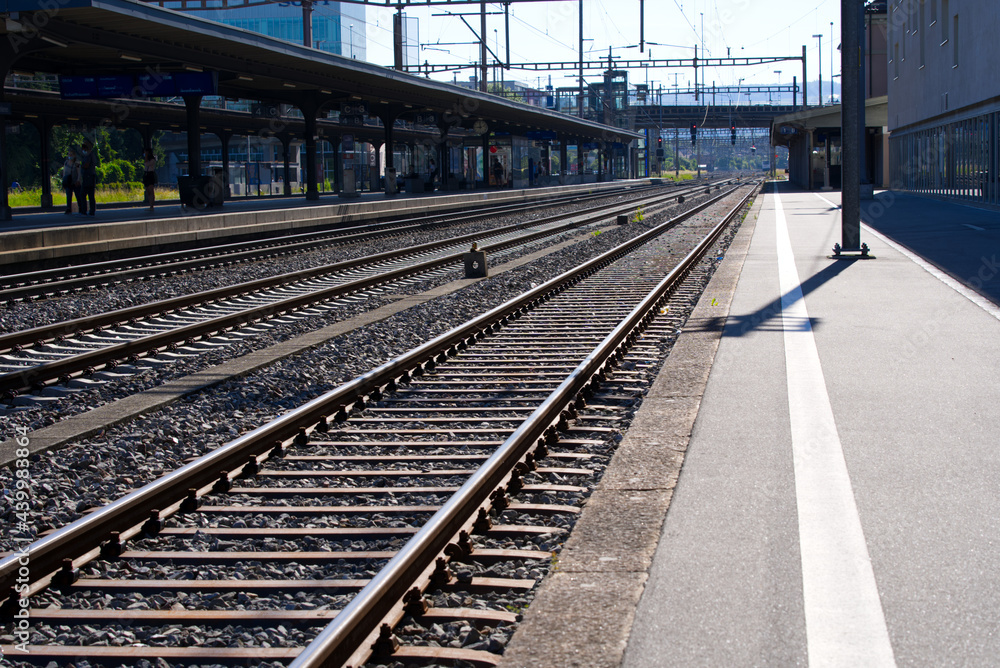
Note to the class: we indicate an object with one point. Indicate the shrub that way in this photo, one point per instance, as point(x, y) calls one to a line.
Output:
point(109, 173)
point(116, 171)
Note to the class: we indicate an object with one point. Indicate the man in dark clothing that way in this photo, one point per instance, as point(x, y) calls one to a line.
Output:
point(88, 175)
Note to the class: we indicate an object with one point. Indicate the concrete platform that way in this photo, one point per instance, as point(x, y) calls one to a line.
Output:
point(826, 494)
point(39, 237)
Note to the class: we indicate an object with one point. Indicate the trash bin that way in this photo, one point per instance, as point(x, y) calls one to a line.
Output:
point(414, 184)
point(199, 192)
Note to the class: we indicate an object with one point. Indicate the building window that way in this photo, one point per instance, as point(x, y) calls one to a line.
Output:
point(944, 21)
point(933, 12)
point(895, 60)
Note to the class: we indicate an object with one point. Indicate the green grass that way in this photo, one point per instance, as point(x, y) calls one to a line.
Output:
point(669, 174)
point(104, 195)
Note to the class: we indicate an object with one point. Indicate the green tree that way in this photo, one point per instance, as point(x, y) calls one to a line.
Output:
point(23, 164)
point(119, 154)
point(504, 92)
point(118, 151)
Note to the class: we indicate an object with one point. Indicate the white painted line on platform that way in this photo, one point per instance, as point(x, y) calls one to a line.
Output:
point(955, 285)
point(845, 625)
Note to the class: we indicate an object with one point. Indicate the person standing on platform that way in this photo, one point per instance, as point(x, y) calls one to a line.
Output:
point(149, 176)
point(433, 173)
point(88, 175)
point(71, 182)
point(498, 173)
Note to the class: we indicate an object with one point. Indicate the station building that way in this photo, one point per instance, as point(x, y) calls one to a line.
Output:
point(813, 134)
point(944, 105)
point(336, 27)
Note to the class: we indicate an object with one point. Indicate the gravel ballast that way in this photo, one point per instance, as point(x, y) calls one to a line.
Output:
point(103, 468)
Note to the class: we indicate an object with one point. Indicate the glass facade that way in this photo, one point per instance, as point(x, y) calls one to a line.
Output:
point(956, 160)
point(336, 27)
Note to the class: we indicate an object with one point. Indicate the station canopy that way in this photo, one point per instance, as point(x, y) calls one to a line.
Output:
point(127, 38)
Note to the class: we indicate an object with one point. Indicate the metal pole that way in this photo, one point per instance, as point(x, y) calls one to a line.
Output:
point(192, 104)
point(698, 157)
point(648, 147)
point(482, 47)
point(805, 80)
point(862, 132)
point(397, 39)
point(307, 31)
point(580, 93)
point(819, 55)
point(869, 53)
point(850, 37)
point(506, 32)
point(642, 27)
point(695, 72)
point(703, 32)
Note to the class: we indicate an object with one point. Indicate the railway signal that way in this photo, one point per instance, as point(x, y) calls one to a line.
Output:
point(732, 137)
point(694, 134)
point(659, 147)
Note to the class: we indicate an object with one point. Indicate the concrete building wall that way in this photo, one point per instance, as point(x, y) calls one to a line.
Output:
point(876, 55)
point(944, 100)
point(942, 57)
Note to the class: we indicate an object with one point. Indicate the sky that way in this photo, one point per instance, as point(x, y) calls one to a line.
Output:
point(549, 31)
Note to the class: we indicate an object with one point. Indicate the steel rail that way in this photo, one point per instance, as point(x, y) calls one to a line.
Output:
point(16, 381)
point(80, 325)
point(339, 641)
point(154, 343)
point(31, 284)
point(165, 495)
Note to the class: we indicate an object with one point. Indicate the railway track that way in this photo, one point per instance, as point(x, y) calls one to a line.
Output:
point(82, 277)
point(443, 478)
point(166, 330)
